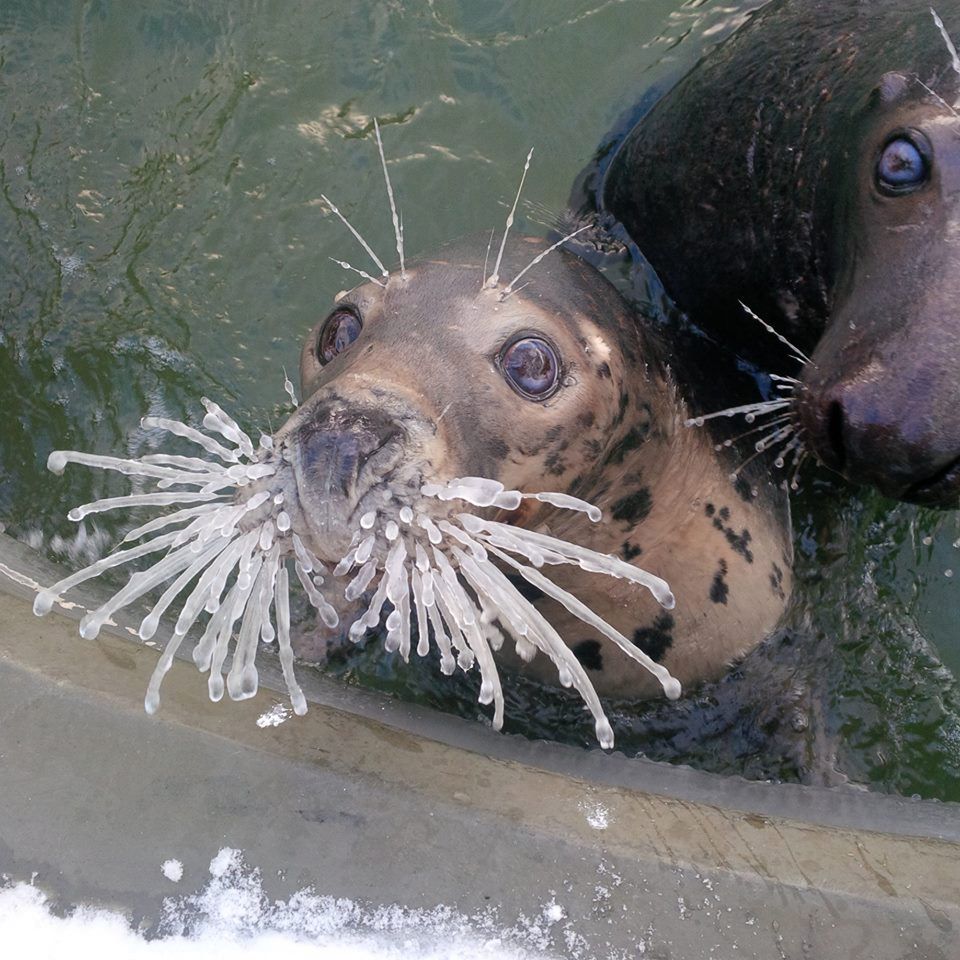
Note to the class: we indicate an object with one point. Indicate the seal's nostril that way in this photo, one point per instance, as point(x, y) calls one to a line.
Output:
point(835, 434)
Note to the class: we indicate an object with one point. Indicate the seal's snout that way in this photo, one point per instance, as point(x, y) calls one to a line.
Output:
point(334, 454)
point(865, 429)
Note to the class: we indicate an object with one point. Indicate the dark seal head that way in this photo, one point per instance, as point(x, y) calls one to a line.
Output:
point(555, 387)
point(825, 194)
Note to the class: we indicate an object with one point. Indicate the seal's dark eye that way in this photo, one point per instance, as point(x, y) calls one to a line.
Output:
point(532, 367)
point(339, 330)
point(902, 167)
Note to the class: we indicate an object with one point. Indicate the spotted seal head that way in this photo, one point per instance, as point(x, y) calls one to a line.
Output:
point(554, 387)
point(828, 200)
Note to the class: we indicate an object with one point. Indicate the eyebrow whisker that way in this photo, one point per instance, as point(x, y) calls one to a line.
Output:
point(494, 277)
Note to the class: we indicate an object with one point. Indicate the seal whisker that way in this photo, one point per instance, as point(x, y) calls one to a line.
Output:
point(951, 49)
point(730, 441)
point(397, 226)
point(494, 277)
point(798, 354)
point(508, 289)
point(366, 246)
point(749, 411)
point(486, 259)
point(357, 270)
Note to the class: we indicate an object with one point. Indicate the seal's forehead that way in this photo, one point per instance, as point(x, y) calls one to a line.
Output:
point(454, 286)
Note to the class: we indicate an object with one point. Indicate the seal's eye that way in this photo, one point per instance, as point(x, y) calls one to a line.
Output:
point(902, 166)
point(532, 367)
point(339, 330)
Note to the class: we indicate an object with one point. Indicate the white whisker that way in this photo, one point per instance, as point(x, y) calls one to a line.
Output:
point(799, 355)
point(494, 278)
point(948, 42)
point(750, 411)
point(397, 227)
point(363, 273)
point(363, 243)
point(508, 289)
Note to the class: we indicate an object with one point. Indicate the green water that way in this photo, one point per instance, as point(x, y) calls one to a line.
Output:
point(161, 237)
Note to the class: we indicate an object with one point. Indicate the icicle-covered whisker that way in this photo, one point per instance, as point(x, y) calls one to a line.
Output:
point(223, 553)
point(798, 354)
point(142, 500)
point(766, 425)
point(494, 279)
point(508, 289)
point(947, 40)
point(188, 433)
point(363, 243)
point(750, 411)
point(218, 421)
point(343, 264)
point(671, 686)
point(530, 627)
point(397, 225)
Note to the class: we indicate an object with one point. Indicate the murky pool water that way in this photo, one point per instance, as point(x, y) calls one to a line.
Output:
point(161, 236)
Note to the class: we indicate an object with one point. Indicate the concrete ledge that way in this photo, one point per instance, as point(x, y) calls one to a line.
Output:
point(376, 800)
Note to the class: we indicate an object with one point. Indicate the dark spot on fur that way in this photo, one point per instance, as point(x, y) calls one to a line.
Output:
point(526, 590)
point(586, 420)
point(588, 653)
point(554, 433)
point(709, 509)
point(724, 514)
point(555, 465)
point(496, 449)
point(776, 582)
point(657, 639)
point(603, 371)
point(633, 438)
point(593, 449)
point(629, 551)
point(634, 507)
point(720, 589)
point(739, 542)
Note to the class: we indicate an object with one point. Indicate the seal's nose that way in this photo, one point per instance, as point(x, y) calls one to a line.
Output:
point(857, 428)
point(333, 451)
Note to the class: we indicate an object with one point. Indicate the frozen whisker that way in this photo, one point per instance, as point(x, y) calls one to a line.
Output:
point(363, 243)
point(798, 354)
point(948, 42)
point(766, 425)
point(138, 500)
point(220, 422)
point(749, 411)
point(397, 226)
point(188, 433)
point(266, 441)
point(508, 289)
point(494, 278)
point(362, 273)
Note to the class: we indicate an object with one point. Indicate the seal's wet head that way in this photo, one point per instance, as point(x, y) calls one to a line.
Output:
point(881, 397)
point(828, 200)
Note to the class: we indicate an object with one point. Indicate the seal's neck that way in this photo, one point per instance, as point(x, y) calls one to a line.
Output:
point(671, 508)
